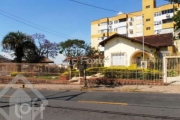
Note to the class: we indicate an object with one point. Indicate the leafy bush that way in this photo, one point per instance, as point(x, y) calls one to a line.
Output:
point(131, 72)
point(94, 70)
point(74, 73)
point(172, 73)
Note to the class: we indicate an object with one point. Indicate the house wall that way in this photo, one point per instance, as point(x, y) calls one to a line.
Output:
point(122, 45)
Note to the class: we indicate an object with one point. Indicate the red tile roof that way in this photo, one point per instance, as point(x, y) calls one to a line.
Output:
point(160, 40)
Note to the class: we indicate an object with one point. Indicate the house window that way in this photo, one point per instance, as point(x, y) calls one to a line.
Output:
point(148, 28)
point(147, 20)
point(147, 6)
point(118, 59)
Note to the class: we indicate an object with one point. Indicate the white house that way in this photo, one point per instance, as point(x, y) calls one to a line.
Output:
point(120, 50)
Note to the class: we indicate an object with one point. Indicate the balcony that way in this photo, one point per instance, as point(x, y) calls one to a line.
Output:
point(120, 24)
point(166, 16)
point(102, 27)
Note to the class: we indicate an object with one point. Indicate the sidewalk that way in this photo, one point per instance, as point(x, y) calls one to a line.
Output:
point(125, 88)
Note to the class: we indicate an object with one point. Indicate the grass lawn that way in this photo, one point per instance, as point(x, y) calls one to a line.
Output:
point(48, 77)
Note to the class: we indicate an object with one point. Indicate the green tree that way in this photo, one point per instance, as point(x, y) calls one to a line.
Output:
point(18, 43)
point(72, 48)
point(176, 19)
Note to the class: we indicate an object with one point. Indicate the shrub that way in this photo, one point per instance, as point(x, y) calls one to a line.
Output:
point(131, 72)
point(94, 70)
point(74, 73)
point(172, 73)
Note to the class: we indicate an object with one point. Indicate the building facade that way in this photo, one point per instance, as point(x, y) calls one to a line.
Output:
point(150, 20)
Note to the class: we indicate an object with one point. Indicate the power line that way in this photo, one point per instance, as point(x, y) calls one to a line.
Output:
point(93, 6)
point(33, 23)
point(33, 26)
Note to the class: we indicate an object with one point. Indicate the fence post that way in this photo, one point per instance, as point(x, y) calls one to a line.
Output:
point(164, 69)
point(136, 76)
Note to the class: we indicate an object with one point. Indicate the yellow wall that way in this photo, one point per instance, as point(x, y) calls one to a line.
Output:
point(147, 12)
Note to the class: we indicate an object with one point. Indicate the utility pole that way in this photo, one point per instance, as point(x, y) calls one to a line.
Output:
point(143, 34)
point(143, 44)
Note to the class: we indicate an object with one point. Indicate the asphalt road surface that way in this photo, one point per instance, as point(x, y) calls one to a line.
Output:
point(82, 105)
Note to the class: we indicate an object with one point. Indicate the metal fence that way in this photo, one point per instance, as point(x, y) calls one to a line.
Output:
point(152, 70)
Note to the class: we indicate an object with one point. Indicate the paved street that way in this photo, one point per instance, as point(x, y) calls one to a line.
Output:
point(82, 105)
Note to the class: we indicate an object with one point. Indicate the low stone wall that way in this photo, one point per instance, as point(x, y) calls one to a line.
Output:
point(91, 81)
point(7, 80)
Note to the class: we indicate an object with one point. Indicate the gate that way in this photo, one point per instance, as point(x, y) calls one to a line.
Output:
point(171, 69)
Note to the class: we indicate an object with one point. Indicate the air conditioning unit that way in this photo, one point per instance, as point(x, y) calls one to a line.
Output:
point(130, 23)
point(143, 64)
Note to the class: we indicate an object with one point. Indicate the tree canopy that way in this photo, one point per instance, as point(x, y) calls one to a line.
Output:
point(19, 43)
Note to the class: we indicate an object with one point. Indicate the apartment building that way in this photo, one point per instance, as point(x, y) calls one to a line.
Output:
point(150, 20)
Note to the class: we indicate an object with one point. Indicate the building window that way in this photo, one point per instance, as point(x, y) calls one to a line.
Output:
point(124, 34)
point(110, 23)
point(122, 20)
point(157, 14)
point(147, 20)
point(148, 28)
point(104, 31)
point(138, 25)
point(167, 21)
point(139, 34)
point(118, 59)
point(139, 18)
point(148, 6)
point(115, 29)
point(157, 31)
point(131, 19)
point(167, 11)
point(116, 21)
point(167, 30)
point(157, 23)
point(104, 23)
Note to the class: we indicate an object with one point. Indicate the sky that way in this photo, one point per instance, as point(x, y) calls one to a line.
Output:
point(63, 19)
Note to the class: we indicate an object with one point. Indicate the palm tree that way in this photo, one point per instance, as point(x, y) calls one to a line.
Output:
point(19, 43)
